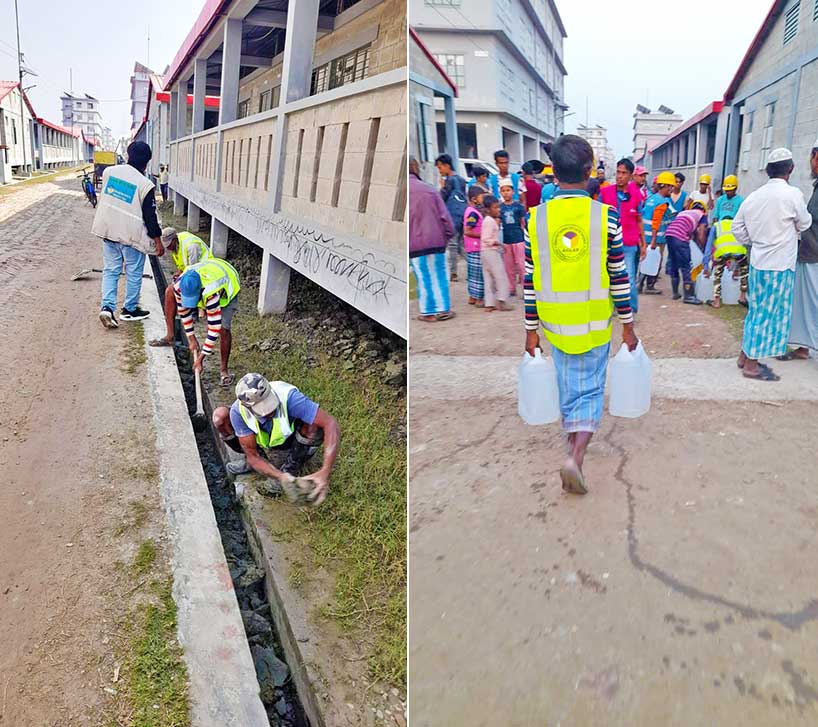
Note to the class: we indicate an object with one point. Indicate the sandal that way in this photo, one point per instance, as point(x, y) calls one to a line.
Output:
point(448, 315)
point(790, 356)
point(159, 342)
point(227, 379)
point(713, 305)
point(765, 373)
point(573, 481)
point(428, 319)
point(744, 304)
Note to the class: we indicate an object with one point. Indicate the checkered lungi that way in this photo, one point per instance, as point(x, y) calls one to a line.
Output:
point(475, 271)
point(581, 381)
point(767, 326)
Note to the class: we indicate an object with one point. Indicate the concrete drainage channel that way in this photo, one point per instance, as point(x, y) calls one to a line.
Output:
point(276, 686)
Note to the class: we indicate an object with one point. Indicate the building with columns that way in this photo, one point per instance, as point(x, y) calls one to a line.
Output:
point(307, 158)
point(82, 112)
point(597, 137)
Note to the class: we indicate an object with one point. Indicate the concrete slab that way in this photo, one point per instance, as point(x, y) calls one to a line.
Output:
point(467, 377)
point(224, 690)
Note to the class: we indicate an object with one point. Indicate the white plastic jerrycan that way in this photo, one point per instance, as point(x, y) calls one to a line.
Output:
point(704, 287)
point(538, 398)
point(730, 288)
point(650, 265)
point(629, 381)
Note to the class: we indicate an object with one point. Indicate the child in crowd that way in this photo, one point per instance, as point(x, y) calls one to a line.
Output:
point(481, 177)
point(491, 253)
point(472, 228)
point(513, 221)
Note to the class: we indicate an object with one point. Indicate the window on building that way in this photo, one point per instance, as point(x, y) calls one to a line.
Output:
point(14, 131)
point(265, 101)
point(244, 108)
point(452, 63)
point(426, 141)
point(710, 143)
point(769, 124)
point(791, 22)
point(340, 71)
point(276, 97)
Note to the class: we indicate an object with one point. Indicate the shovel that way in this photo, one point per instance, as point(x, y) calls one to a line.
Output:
point(83, 273)
point(199, 420)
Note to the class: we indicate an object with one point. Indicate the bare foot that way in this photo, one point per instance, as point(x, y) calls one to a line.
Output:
point(572, 479)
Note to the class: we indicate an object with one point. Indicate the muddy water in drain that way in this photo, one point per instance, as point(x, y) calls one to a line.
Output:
point(277, 690)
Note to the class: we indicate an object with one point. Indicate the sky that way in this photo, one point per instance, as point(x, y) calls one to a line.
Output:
point(100, 40)
point(682, 55)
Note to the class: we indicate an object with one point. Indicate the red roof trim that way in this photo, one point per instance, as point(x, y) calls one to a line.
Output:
point(62, 129)
point(210, 101)
point(433, 60)
point(709, 110)
point(749, 56)
point(210, 14)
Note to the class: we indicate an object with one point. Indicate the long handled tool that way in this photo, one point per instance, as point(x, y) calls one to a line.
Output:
point(199, 420)
point(82, 273)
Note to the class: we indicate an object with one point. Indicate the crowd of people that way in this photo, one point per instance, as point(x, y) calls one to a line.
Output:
point(542, 228)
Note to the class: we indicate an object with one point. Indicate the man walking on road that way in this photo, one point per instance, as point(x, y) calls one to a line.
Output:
point(430, 228)
point(186, 249)
point(271, 416)
point(214, 286)
point(804, 332)
point(771, 219)
point(163, 182)
point(126, 221)
point(572, 295)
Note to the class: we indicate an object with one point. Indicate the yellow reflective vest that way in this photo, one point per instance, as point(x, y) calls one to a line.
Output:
point(218, 276)
point(281, 429)
point(725, 242)
point(569, 249)
point(187, 241)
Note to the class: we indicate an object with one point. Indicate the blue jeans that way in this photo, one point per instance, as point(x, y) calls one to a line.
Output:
point(114, 255)
point(632, 264)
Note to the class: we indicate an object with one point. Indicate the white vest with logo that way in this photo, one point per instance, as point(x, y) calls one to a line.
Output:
point(119, 212)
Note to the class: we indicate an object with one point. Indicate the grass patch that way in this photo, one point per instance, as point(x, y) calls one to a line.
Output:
point(134, 354)
point(297, 576)
point(734, 316)
point(154, 679)
point(137, 516)
point(40, 179)
point(145, 558)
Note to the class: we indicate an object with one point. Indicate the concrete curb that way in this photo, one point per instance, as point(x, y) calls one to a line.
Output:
point(224, 690)
point(458, 378)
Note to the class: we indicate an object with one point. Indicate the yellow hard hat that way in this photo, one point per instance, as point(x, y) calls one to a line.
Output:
point(666, 178)
point(730, 183)
point(593, 173)
point(548, 170)
point(704, 179)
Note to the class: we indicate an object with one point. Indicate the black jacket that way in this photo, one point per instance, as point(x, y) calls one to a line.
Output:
point(808, 247)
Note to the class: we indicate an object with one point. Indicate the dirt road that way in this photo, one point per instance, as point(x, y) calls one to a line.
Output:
point(79, 487)
point(681, 591)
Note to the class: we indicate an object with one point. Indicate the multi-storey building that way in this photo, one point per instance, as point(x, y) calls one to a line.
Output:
point(650, 127)
point(506, 58)
point(82, 113)
point(308, 155)
point(597, 137)
point(140, 80)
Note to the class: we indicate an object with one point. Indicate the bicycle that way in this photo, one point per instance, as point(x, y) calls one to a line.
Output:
point(88, 188)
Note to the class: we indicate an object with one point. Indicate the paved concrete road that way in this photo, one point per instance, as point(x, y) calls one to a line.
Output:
point(683, 590)
point(76, 452)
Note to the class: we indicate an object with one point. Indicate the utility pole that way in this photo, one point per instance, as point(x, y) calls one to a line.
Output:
point(20, 74)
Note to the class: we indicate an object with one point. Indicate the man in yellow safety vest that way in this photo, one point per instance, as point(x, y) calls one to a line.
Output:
point(722, 247)
point(186, 249)
point(575, 277)
point(274, 416)
point(214, 286)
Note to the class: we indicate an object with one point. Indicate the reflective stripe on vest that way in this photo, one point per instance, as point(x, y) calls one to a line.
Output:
point(218, 276)
point(725, 242)
point(569, 249)
point(281, 428)
point(186, 240)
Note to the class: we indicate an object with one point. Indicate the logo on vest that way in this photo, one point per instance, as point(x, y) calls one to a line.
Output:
point(569, 244)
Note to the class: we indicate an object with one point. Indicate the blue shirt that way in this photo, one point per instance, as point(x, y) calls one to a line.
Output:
point(654, 201)
point(680, 203)
point(548, 191)
point(511, 217)
point(494, 185)
point(299, 407)
point(726, 207)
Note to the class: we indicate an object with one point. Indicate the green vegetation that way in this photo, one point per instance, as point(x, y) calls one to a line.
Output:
point(154, 678)
point(134, 354)
point(145, 558)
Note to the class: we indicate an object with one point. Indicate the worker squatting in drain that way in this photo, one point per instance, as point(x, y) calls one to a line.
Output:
point(270, 417)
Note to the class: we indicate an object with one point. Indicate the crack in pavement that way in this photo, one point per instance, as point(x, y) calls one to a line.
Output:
point(792, 620)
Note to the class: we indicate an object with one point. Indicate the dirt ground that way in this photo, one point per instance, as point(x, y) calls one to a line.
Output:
point(80, 488)
point(681, 591)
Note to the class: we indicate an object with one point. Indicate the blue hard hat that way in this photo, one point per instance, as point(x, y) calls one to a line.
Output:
point(190, 286)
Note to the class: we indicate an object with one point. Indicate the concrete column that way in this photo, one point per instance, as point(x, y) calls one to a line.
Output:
point(178, 204)
point(199, 92)
point(296, 75)
point(732, 143)
point(174, 112)
point(218, 238)
point(231, 62)
point(193, 217)
point(273, 286)
point(181, 110)
point(452, 146)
